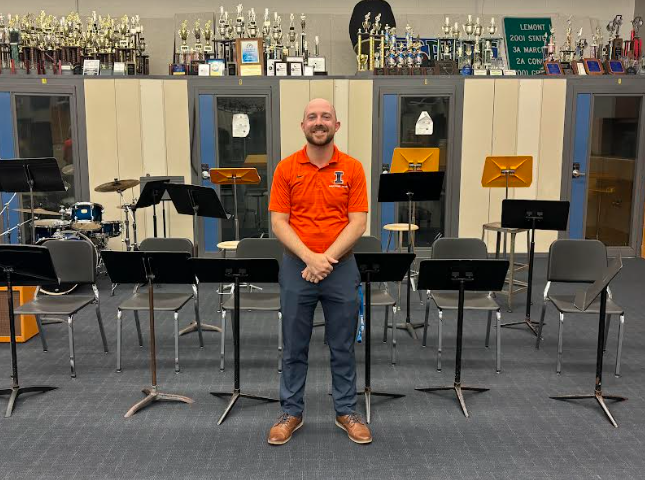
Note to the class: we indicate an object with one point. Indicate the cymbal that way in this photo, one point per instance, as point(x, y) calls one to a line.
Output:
point(116, 186)
point(37, 211)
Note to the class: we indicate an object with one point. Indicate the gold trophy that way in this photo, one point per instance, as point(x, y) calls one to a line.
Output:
point(208, 36)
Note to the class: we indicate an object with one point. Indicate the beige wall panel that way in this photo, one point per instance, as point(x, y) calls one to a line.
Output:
point(341, 103)
point(359, 130)
point(476, 145)
point(102, 144)
point(504, 140)
point(551, 144)
point(528, 131)
point(321, 89)
point(294, 96)
point(153, 146)
point(177, 149)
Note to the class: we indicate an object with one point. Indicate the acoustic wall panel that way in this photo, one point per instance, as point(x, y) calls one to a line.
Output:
point(294, 96)
point(341, 103)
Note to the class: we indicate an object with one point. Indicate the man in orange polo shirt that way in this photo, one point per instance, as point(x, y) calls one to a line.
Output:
point(318, 211)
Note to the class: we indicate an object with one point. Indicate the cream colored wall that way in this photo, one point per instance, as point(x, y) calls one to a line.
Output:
point(134, 128)
point(353, 102)
point(510, 117)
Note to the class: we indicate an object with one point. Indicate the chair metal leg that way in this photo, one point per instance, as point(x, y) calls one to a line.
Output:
point(560, 331)
point(138, 324)
point(619, 351)
point(425, 324)
point(99, 318)
point(498, 339)
point(176, 317)
point(385, 325)
point(197, 317)
point(389, 239)
point(222, 341)
point(280, 345)
point(439, 339)
point(70, 332)
point(43, 340)
point(607, 325)
point(394, 338)
point(490, 316)
point(539, 333)
point(119, 334)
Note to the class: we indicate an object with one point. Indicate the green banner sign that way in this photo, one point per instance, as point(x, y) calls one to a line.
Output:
point(524, 42)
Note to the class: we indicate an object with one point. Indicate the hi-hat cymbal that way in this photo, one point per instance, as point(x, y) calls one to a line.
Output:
point(37, 211)
point(116, 186)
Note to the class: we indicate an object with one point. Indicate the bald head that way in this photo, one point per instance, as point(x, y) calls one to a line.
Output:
point(319, 122)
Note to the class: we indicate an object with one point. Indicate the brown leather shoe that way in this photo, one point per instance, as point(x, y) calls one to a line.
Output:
point(356, 429)
point(283, 429)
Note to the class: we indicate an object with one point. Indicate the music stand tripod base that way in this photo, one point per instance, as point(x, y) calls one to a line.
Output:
point(192, 327)
point(458, 388)
point(235, 396)
point(15, 391)
point(154, 395)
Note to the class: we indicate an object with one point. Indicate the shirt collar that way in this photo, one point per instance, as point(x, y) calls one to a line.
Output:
point(304, 158)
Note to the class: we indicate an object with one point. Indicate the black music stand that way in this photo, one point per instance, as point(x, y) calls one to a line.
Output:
point(409, 187)
point(156, 196)
point(533, 215)
point(378, 267)
point(583, 300)
point(238, 270)
point(31, 175)
point(199, 202)
point(149, 268)
point(461, 275)
point(23, 265)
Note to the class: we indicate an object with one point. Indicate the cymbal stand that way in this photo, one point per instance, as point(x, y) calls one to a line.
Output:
point(5, 214)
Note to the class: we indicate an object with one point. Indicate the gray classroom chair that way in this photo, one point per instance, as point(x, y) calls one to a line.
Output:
point(578, 261)
point(463, 249)
point(380, 295)
point(256, 301)
point(74, 262)
point(164, 301)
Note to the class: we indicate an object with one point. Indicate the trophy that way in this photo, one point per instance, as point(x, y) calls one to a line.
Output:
point(239, 22)
point(266, 27)
point(581, 45)
point(615, 48)
point(208, 36)
point(291, 36)
point(551, 46)
point(221, 23)
point(303, 35)
point(469, 27)
point(566, 51)
point(253, 27)
point(361, 58)
point(637, 42)
point(183, 48)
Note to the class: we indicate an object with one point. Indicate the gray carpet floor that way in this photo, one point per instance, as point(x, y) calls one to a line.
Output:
point(515, 430)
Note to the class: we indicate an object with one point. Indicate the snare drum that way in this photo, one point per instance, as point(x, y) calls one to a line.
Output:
point(47, 228)
point(87, 216)
point(111, 228)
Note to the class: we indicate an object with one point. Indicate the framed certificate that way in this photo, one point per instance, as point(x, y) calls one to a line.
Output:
point(250, 56)
point(295, 69)
point(217, 67)
point(281, 69)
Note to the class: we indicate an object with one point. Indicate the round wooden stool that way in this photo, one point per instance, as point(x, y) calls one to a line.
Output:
point(399, 228)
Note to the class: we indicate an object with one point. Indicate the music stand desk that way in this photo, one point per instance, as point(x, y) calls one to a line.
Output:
point(508, 171)
point(237, 270)
point(22, 265)
point(583, 300)
point(149, 268)
point(378, 267)
point(235, 177)
point(415, 160)
point(461, 275)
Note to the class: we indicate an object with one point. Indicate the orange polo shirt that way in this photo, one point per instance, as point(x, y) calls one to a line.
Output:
point(318, 201)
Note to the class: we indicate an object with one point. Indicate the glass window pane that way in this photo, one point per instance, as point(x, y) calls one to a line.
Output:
point(611, 169)
point(429, 216)
point(250, 151)
point(44, 129)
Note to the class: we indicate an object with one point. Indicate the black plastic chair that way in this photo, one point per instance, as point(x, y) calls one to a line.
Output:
point(164, 301)
point(463, 249)
point(578, 261)
point(74, 262)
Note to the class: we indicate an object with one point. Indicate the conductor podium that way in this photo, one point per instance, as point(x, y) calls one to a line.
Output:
point(461, 275)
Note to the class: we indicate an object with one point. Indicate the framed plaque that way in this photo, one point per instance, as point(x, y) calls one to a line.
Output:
point(593, 66)
point(295, 69)
point(281, 69)
point(614, 67)
point(553, 68)
point(319, 64)
point(578, 67)
point(217, 67)
point(250, 56)
point(271, 67)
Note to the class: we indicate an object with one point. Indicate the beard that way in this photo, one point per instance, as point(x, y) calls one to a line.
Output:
point(319, 142)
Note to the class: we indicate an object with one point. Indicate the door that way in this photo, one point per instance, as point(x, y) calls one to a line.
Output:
point(606, 183)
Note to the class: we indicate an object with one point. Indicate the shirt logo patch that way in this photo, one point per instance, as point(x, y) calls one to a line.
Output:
point(339, 177)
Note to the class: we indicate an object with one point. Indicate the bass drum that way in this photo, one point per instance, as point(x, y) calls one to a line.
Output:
point(71, 235)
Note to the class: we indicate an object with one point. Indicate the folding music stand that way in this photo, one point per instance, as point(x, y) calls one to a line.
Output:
point(155, 194)
point(415, 160)
point(238, 270)
point(149, 268)
point(22, 265)
point(378, 267)
point(583, 300)
point(409, 187)
point(235, 177)
point(31, 175)
point(508, 171)
point(533, 215)
point(197, 201)
point(462, 275)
